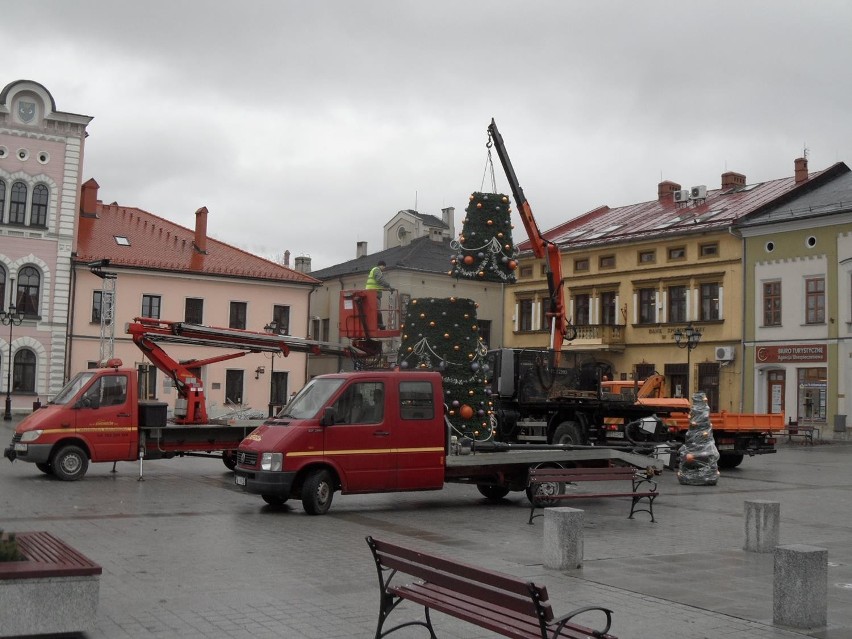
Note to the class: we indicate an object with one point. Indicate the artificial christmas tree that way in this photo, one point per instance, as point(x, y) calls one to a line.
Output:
point(698, 457)
point(484, 250)
point(442, 334)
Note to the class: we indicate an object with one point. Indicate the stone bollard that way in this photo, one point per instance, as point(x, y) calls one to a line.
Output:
point(800, 589)
point(563, 538)
point(762, 525)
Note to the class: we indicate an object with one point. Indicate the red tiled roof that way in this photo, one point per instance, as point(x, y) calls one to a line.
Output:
point(160, 245)
point(659, 218)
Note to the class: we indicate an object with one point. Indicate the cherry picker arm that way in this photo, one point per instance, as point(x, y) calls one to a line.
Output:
point(149, 333)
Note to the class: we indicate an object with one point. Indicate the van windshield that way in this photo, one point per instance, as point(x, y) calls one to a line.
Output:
point(71, 388)
point(311, 398)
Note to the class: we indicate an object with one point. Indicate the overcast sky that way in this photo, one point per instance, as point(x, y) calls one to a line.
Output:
point(305, 126)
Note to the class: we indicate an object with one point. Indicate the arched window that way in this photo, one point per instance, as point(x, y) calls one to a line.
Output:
point(29, 282)
point(24, 370)
point(18, 203)
point(2, 199)
point(41, 197)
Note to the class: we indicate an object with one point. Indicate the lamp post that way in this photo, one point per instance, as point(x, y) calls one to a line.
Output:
point(687, 338)
point(11, 318)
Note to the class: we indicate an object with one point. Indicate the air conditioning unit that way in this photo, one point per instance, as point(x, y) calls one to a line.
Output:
point(725, 353)
point(681, 196)
point(698, 192)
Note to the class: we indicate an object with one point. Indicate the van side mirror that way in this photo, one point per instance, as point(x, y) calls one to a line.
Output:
point(328, 417)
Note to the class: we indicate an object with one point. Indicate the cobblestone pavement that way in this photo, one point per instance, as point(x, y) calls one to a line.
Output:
point(186, 554)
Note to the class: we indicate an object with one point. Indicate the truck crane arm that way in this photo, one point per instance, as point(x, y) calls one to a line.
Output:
point(149, 333)
point(542, 247)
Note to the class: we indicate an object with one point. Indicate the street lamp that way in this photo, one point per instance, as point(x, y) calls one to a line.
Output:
point(687, 338)
point(11, 318)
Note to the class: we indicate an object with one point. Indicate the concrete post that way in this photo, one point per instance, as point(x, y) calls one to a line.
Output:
point(800, 589)
point(762, 525)
point(563, 538)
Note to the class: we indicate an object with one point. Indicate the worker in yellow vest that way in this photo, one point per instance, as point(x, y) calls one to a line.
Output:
point(376, 281)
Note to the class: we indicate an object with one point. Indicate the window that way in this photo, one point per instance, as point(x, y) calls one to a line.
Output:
point(325, 332)
point(281, 317)
point(23, 375)
point(772, 303)
point(315, 328)
point(29, 282)
point(676, 253)
point(234, 386)
point(41, 197)
point(278, 387)
point(146, 374)
point(647, 257)
point(416, 400)
point(485, 331)
point(647, 305)
point(677, 304)
point(709, 302)
point(608, 308)
point(2, 288)
point(606, 261)
point(708, 381)
point(151, 306)
point(815, 300)
point(526, 271)
point(644, 370)
point(18, 204)
point(2, 199)
point(237, 317)
point(114, 390)
point(708, 250)
point(581, 309)
point(101, 307)
point(525, 315)
point(193, 312)
point(582, 264)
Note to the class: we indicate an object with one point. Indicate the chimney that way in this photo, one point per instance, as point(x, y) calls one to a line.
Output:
point(801, 173)
point(201, 230)
point(303, 264)
point(448, 215)
point(89, 198)
point(360, 249)
point(666, 188)
point(733, 180)
point(286, 258)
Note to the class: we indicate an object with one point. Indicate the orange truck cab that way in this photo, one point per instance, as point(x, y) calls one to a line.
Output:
point(365, 432)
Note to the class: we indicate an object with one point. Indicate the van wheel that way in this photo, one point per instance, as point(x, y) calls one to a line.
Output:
point(317, 493)
point(274, 500)
point(492, 491)
point(70, 463)
point(229, 457)
point(44, 467)
point(568, 433)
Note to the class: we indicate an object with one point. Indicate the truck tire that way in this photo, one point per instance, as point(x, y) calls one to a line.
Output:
point(730, 460)
point(274, 500)
point(317, 493)
point(70, 463)
point(568, 433)
point(45, 467)
point(492, 492)
point(229, 458)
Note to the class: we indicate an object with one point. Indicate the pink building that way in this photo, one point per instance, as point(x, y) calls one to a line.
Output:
point(41, 155)
point(159, 269)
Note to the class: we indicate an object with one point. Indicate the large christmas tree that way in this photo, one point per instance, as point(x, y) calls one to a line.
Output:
point(484, 250)
point(442, 334)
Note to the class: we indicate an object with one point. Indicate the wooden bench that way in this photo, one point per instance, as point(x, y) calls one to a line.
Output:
point(806, 432)
point(47, 556)
point(500, 603)
point(641, 482)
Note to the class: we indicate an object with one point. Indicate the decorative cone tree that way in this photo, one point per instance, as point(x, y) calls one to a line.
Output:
point(698, 457)
point(484, 250)
point(442, 334)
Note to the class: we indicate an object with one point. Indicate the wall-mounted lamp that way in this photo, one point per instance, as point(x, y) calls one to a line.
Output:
point(260, 370)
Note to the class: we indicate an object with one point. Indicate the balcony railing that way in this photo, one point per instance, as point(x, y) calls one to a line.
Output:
point(600, 334)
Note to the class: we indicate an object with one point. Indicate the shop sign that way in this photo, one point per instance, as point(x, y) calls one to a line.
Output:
point(791, 353)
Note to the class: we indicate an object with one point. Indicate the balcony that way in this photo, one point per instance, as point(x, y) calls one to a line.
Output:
point(599, 337)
